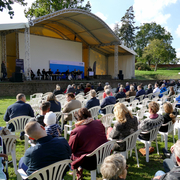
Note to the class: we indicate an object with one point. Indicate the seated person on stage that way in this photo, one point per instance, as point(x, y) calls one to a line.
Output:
point(120, 94)
point(57, 73)
point(172, 166)
point(44, 74)
point(68, 75)
point(93, 101)
point(87, 135)
point(108, 100)
point(48, 150)
point(78, 90)
point(79, 74)
point(50, 72)
point(114, 167)
point(45, 107)
point(99, 88)
point(32, 74)
point(51, 127)
point(152, 122)
point(74, 73)
point(38, 72)
point(58, 90)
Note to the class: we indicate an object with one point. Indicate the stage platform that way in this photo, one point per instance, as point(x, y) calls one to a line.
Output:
point(42, 86)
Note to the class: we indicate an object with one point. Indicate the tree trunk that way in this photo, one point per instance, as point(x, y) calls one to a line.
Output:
point(155, 69)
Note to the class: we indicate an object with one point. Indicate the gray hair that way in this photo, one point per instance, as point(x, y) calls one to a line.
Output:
point(113, 166)
point(132, 88)
point(58, 87)
point(163, 85)
point(20, 96)
point(121, 89)
point(107, 91)
point(177, 148)
point(93, 93)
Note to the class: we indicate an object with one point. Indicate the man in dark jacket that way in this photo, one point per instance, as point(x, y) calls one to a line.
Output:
point(72, 89)
point(120, 94)
point(93, 101)
point(140, 91)
point(19, 108)
point(99, 88)
point(108, 100)
point(174, 172)
point(149, 90)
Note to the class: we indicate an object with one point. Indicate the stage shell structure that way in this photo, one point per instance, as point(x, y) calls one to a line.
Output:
point(65, 35)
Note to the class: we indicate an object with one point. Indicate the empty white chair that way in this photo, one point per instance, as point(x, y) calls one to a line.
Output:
point(52, 172)
point(165, 134)
point(153, 136)
point(94, 111)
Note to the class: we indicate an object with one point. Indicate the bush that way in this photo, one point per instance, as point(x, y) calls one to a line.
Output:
point(142, 66)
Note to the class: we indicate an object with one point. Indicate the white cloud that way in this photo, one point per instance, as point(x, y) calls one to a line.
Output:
point(178, 52)
point(152, 10)
point(101, 15)
point(178, 31)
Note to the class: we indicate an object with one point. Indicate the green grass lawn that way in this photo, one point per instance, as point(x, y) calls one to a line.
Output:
point(145, 171)
point(159, 74)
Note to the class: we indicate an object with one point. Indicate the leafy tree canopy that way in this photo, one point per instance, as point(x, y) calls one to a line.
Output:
point(148, 32)
point(7, 4)
point(43, 7)
point(159, 52)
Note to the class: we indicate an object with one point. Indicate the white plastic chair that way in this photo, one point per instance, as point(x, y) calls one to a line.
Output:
point(165, 134)
point(101, 153)
point(149, 96)
point(131, 144)
point(121, 100)
point(140, 97)
point(10, 144)
point(94, 111)
point(144, 103)
point(109, 108)
point(133, 105)
point(107, 120)
point(52, 172)
point(140, 113)
point(36, 95)
point(153, 136)
point(131, 98)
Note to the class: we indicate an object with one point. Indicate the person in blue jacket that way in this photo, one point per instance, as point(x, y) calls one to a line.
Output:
point(93, 101)
point(162, 89)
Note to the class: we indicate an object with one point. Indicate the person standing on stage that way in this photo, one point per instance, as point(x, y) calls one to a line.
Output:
point(3, 70)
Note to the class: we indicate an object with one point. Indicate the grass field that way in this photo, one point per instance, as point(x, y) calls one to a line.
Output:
point(162, 73)
point(145, 171)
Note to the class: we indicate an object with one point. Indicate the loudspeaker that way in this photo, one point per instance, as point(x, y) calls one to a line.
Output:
point(18, 69)
point(121, 76)
point(120, 72)
point(16, 77)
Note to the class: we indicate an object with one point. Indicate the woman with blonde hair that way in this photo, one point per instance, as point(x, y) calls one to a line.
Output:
point(126, 125)
point(114, 167)
point(105, 88)
point(55, 104)
point(169, 116)
point(152, 122)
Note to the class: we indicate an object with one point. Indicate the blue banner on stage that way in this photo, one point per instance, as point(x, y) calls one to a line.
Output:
point(20, 63)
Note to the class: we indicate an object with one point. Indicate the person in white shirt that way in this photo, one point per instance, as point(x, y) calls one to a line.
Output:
point(156, 89)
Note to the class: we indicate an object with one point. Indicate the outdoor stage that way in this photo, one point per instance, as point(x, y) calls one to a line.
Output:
point(42, 86)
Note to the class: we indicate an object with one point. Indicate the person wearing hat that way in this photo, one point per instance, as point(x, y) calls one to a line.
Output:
point(51, 127)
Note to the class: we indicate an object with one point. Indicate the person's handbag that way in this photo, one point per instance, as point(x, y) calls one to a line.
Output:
point(143, 150)
point(4, 131)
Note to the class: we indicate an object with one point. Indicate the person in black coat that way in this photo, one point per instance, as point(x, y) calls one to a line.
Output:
point(99, 88)
point(149, 90)
point(93, 101)
point(55, 105)
point(120, 94)
point(72, 89)
point(79, 89)
point(58, 90)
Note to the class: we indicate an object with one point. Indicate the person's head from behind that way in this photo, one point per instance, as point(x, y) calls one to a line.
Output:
point(50, 118)
point(163, 85)
point(82, 114)
point(58, 87)
point(139, 87)
point(149, 86)
point(74, 86)
point(51, 97)
point(156, 85)
point(88, 85)
point(121, 89)
point(34, 130)
point(131, 88)
point(99, 84)
point(120, 111)
point(21, 97)
point(45, 107)
point(108, 92)
point(153, 107)
point(93, 93)
point(69, 97)
point(168, 108)
point(172, 89)
point(114, 167)
point(79, 87)
point(127, 84)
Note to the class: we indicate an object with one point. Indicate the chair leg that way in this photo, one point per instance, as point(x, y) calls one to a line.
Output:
point(178, 133)
point(124, 154)
point(93, 175)
point(74, 174)
point(13, 154)
point(136, 156)
point(166, 140)
point(147, 151)
point(157, 147)
point(173, 137)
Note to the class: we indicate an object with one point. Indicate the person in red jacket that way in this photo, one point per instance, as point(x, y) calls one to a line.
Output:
point(88, 135)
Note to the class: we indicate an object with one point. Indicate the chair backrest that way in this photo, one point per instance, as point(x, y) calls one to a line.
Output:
point(134, 103)
point(121, 100)
point(170, 126)
point(94, 111)
point(36, 108)
point(52, 172)
point(131, 98)
point(46, 94)
point(150, 96)
point(125, 103)
point(107, 120)
point(10, 143)
point(131, 140)
point(58, 114)
point(156, 94)
point(36, 95)
point(140, 113)
point(109, 108)
point(19, 122)
point(145, 101)
point(141, 97)
point(102, 152)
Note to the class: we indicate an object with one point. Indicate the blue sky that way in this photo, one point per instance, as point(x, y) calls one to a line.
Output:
point(164, 12)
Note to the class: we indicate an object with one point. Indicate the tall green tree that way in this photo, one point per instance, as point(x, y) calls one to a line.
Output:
point(159, 52)
point(128, 28)
point(148, 32)
point(116, 29)
point(7, 4)
point(43, 7)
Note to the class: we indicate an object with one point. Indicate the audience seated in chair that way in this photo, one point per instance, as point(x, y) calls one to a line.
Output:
point(93, 101)
point(99, 88)
point(140, 91)
point(114, 167)
point(120, 94)
point(58, 90)
point(55, 104)
point(84, 139)
point(78, 90)
point(149, 90)
point(131, 92)
point(47, 150)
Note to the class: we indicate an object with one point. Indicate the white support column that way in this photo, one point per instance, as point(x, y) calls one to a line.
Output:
point(116, 61)
point(27, 61)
